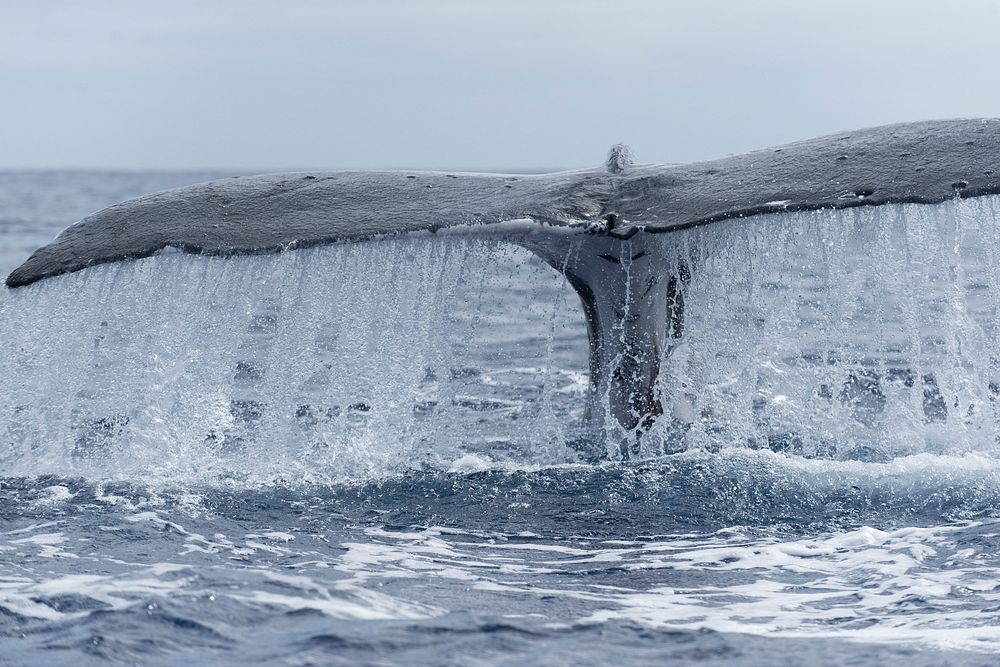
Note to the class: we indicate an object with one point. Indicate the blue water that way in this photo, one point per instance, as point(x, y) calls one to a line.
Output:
point(455, 517)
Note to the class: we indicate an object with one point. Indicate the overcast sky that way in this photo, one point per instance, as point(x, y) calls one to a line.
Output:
point(254, 84)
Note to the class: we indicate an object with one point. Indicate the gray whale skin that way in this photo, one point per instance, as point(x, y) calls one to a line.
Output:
point(603, 214)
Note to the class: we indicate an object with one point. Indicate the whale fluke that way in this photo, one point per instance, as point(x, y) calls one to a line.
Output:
point(273, 213)
point(594, 226)
point(926, 162)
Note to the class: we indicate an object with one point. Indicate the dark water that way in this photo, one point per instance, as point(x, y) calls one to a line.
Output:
point(462, 531)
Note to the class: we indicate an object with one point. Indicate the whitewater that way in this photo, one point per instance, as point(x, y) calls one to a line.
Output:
point(378, 454)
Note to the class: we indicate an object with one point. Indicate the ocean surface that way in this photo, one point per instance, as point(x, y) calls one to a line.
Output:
point(374, 455)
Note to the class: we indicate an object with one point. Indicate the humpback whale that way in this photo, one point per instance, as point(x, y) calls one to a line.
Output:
point(595, 226)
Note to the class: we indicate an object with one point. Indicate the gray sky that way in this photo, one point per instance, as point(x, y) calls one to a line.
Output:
point(254, 84)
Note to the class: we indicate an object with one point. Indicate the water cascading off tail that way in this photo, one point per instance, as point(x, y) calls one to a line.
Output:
point(320, 364)
point(865, 333)
point(832, 297)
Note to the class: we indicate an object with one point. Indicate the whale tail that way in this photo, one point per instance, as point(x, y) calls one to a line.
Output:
point(607, 230)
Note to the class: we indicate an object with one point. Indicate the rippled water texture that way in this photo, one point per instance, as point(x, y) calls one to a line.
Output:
point(374, 454)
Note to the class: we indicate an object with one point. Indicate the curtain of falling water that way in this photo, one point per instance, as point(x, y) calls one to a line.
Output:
point(866, 333)
point(342, 362)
